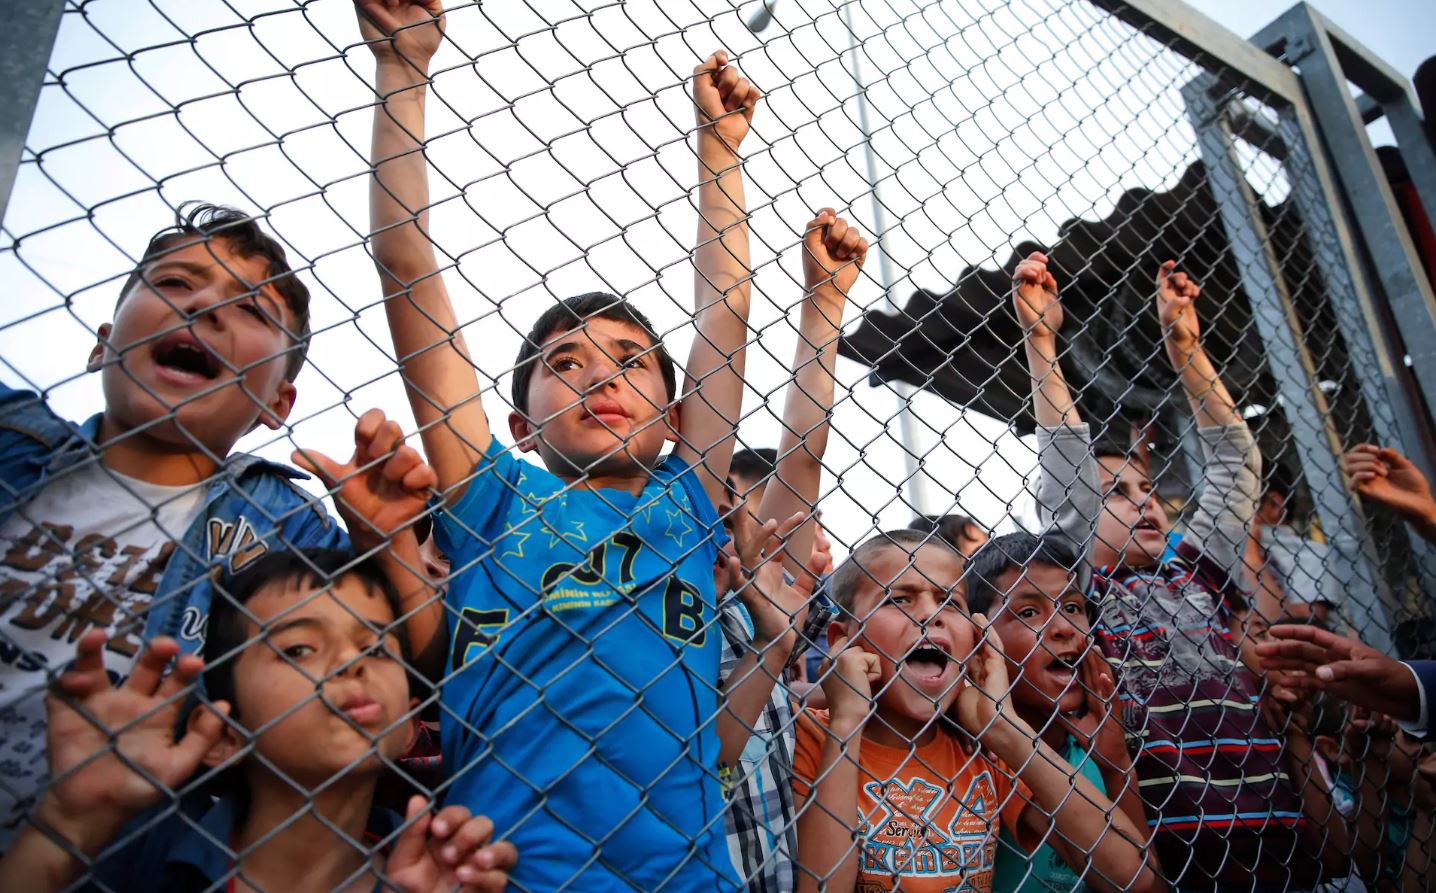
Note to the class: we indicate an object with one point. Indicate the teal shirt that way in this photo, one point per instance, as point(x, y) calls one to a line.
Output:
point(1043, 871)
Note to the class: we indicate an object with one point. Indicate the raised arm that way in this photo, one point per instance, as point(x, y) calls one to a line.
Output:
point(441, 380)
point(1069, 489)
point(1039, 312)
point(722, 282)
point(833, 255)
point(1177, 293)
point(1228, 500)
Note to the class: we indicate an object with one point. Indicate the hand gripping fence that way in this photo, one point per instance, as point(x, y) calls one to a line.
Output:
point(885, 513)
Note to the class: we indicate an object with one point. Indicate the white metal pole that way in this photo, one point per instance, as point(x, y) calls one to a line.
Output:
point(907, 425)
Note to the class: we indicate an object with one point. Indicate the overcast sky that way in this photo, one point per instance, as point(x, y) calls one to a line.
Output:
point(997, 122)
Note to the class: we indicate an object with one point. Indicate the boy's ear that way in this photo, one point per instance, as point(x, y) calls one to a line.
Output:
point(838, 629)
point(675, 421)
point(525, 437)
point(232, 741)
point(279, 407)
point(97, 353)
point(1327, 747)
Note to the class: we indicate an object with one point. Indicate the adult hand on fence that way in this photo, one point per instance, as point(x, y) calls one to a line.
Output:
point(1034, 297)
point(1176, 296)
point(833, 254)
point(1385, 476)
point(404, 32)
point(452, 850)
point(112, 750)
point(383, 486)
point(725, 100)
point(1313, 658)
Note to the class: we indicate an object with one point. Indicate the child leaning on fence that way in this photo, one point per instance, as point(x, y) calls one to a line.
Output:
point(308, 704)
point(117, 523)
point(888, 797)
point(1225, 814)
point(579, 676)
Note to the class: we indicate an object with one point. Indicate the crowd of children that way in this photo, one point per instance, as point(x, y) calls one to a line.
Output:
point(209, 683)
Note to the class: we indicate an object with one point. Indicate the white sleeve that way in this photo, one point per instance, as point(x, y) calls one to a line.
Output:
point(1418, 728)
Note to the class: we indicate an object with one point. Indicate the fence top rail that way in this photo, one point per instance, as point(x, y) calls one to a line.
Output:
point(1374, 75)
point(1197, 36)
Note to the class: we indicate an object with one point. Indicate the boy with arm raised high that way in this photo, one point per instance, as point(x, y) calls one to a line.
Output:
point(1213, 774)
point(580, 669)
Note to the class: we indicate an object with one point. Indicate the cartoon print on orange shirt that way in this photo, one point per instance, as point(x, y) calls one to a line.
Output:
point(904, 835)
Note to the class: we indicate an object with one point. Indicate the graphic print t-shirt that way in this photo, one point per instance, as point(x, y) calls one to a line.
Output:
point(930, 816)
point(86, 553)
point(583, 676)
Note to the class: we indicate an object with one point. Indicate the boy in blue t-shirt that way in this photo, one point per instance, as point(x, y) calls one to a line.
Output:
point(579, 678)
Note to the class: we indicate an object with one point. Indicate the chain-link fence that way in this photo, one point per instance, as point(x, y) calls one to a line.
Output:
point(958, 543)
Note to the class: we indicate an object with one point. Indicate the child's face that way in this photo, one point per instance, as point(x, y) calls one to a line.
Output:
point(185, 343)
point(913, 616)
point(321, 687)
point(1132, 529)
point(1272, 509)
point(750, 496)
point(1044, 631)
point(597, 401)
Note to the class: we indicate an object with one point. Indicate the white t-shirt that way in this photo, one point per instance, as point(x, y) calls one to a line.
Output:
point(87, 552)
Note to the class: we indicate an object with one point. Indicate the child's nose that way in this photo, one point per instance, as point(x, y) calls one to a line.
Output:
point(351, 661)
point(1061, 627)
point(203, 303)
point(600, 375)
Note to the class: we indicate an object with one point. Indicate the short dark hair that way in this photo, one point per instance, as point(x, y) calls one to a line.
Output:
point(1108, 447)
point(756, 465)
point(201, 222)
point(1012, 551)
point(572, 313)
point(1113, 447)
point(844, 582)
point(1278, 480)
point(227, 629)
point(950, 527)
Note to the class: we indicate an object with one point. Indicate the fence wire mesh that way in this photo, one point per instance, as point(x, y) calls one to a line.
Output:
point(944, 551)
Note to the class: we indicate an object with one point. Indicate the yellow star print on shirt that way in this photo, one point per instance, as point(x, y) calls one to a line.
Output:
point(678, 526)
point(575, 534)
point(513, 542)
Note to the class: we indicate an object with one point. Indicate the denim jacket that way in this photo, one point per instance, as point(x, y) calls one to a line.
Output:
point(250, 505)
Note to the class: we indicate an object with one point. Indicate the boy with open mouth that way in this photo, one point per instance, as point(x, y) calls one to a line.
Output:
point(1063, 688)
point(888, 796)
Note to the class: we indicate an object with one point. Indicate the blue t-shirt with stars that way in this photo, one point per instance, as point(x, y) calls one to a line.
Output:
point(581, 686)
